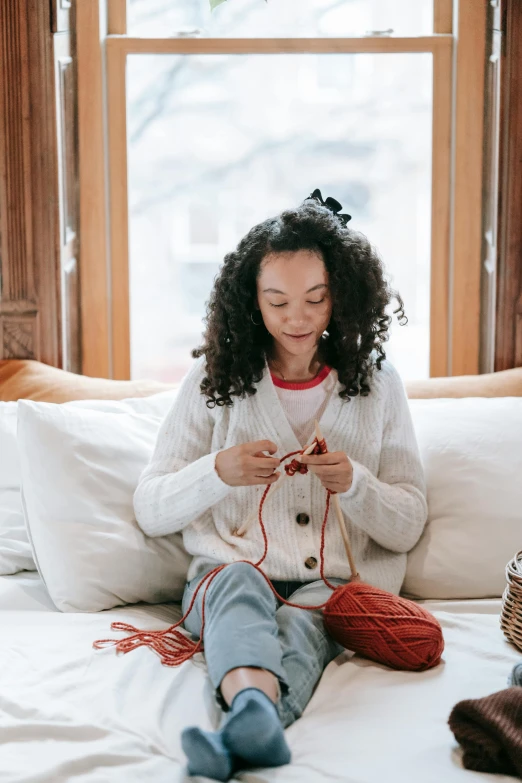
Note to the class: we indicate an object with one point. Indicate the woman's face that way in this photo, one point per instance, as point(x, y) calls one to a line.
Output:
point(294, 298)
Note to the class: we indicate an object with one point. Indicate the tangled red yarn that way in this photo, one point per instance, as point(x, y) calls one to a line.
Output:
point(365, 619)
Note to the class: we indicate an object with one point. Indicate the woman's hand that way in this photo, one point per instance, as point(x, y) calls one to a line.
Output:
point(244, 465)
point(334, 470)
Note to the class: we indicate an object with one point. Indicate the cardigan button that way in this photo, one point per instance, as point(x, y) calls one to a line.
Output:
point(311, 562)
point(302, 519)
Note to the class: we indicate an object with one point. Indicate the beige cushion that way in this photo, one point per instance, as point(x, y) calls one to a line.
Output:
point(29, 380)
point(507, 383)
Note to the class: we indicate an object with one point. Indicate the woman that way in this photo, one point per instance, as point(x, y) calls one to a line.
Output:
point(295, 330)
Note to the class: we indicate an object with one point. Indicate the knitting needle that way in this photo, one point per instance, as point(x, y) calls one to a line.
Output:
point(247, 524)
point(340, 518)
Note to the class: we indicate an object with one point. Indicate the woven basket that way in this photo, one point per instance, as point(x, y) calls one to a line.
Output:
point(511, 616)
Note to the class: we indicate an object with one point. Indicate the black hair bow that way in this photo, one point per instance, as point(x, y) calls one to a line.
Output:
point(331, 204)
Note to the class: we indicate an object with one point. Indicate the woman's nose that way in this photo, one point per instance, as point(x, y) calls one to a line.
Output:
point(296, 315)
point(297, 321)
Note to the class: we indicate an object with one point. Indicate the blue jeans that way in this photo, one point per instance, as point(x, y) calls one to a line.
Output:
point(245, 625)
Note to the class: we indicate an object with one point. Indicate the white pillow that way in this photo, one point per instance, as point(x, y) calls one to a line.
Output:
point(15, 549)
point(80, 466)
point(472, 454)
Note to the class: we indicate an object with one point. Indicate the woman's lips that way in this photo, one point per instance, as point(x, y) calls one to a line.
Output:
point(298, 337)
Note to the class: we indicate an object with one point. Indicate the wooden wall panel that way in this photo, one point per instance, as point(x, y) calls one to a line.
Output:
point(36, 111)
point(508, 343)
point(490, 189)
point(18, 288)
point(18, 278)
point(39, 82)
point(19, 335)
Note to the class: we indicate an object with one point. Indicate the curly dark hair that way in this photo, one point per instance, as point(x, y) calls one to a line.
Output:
point(236, 349)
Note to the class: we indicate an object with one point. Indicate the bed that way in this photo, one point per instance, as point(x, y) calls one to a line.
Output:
point(70, 712)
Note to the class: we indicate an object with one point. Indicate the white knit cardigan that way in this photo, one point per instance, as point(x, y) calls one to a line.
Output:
point(385, 509)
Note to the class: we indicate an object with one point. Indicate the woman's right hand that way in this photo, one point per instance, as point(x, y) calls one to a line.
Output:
point(244, 465)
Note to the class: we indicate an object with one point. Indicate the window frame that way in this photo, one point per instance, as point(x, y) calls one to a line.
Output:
point(456, 215)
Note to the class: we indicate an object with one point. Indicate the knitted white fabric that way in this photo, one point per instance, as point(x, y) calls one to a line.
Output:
point(385, 509)
point(303, 403)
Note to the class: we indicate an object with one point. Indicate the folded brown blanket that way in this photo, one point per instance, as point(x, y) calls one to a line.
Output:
point(490, 731)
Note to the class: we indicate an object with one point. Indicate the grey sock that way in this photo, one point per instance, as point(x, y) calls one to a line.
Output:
point(515, 678)
point(254, 732)
point(207, 754)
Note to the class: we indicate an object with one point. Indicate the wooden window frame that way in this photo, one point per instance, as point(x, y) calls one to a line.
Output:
point(458, 82)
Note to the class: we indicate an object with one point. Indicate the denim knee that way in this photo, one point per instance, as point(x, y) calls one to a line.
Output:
point(241, 573)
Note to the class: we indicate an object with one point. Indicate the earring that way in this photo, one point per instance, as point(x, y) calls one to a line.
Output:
point(252, 319)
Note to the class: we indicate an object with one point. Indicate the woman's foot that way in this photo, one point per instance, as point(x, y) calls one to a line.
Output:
point(254, 732)
point(515, 677)
point(207, 754)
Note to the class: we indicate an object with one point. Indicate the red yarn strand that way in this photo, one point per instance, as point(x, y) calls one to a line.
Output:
point(174, 647)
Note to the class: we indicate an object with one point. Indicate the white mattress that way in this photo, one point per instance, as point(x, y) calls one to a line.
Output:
point(69, 712)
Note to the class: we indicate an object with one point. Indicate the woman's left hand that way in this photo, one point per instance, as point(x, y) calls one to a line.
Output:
point(334, 470)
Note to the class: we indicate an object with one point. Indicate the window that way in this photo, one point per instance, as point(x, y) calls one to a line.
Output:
point(233, 115)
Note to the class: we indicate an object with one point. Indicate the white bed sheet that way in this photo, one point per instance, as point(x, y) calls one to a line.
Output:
point(69, 712)
point(25, 591)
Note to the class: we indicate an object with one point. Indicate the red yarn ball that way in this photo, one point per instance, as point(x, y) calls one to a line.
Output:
point(383, 627)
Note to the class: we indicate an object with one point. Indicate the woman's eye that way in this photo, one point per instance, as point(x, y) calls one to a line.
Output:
point(319, 301)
